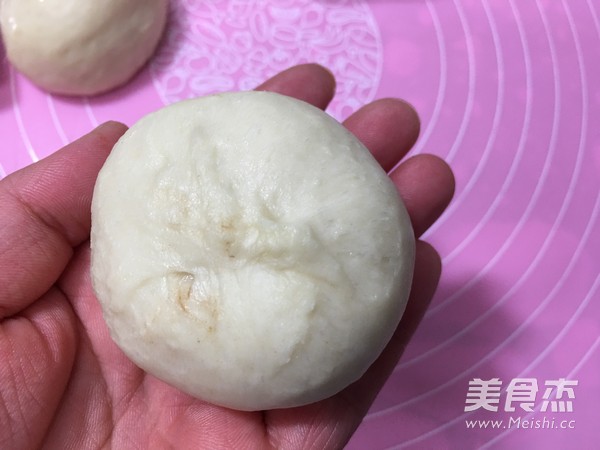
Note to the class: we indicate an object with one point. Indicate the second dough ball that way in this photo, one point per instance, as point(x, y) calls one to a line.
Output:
point(81, 47)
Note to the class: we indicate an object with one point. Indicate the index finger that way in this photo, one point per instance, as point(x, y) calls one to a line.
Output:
point(308, 82)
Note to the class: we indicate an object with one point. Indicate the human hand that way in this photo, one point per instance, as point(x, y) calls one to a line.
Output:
point(65, 384)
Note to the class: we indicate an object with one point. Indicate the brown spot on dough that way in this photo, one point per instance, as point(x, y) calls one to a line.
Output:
point(180, 288)
point(203, 309)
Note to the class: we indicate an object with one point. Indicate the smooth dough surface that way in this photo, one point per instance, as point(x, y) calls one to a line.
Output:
point(249, 250)
point(81, 47)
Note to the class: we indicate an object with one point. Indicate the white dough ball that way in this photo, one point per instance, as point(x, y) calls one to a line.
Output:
point(249, 250)
point(81, 47)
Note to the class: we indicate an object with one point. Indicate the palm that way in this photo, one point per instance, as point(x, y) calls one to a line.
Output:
point(65, 384)
point(110, 401)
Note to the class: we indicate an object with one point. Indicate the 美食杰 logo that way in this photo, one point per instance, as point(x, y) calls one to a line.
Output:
point(526, 396)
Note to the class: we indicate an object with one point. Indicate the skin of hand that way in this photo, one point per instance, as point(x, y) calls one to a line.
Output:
point(64, 383)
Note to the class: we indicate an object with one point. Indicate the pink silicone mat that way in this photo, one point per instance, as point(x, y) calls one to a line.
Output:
point(508, 355)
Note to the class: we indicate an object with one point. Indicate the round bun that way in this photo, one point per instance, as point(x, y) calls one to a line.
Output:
point(249, 250)
point(78, 47)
